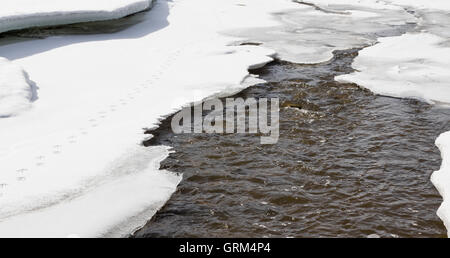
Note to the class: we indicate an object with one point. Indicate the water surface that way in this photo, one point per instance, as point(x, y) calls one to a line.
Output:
point(348, 164)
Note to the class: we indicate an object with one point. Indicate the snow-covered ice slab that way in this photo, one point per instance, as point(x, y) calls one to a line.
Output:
point(442, 5)
point(20, 14)
point(414, 65)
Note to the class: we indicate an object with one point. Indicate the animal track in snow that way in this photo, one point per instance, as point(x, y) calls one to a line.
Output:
point(133, 94)
point(57, 149)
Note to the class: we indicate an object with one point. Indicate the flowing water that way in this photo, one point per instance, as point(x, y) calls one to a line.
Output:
point(348, 164)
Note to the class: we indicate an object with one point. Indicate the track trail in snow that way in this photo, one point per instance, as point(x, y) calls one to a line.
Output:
point(96, 122)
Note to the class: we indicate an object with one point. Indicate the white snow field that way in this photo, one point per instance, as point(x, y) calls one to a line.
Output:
point(441, 179)
point(19, 14)
point(71, 163)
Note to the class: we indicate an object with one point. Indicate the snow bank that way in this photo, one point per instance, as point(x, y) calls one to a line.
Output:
point(385, 4)
point(19, 14)
point(15, 89)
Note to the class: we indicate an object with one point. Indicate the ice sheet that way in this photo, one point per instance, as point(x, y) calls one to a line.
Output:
point(307, 34)
point(414, 65)
point(19, 14)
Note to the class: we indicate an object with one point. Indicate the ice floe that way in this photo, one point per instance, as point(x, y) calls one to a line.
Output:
point(441, 178)
point(308, 34)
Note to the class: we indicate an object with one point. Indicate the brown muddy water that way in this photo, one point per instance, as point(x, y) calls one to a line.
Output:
point(348, 164)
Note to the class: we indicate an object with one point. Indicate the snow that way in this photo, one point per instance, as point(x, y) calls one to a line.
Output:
point(414, 65)
point(144, 187)
point(19, 14)
point(72, 164)
point(423, 4)
point(16, 90)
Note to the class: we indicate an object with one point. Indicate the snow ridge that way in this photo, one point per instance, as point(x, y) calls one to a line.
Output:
point(53, 12)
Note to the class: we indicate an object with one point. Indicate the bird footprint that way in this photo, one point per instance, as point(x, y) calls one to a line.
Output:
point(21, 170)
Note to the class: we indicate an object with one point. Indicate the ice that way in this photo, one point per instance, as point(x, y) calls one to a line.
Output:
point(71, 162)
point(310, 35)
point(16, 90)
point(441, 178)
point(19, 14)
point(443, 5)
point(413, 65)
point(100, 208)
point(394, 63)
